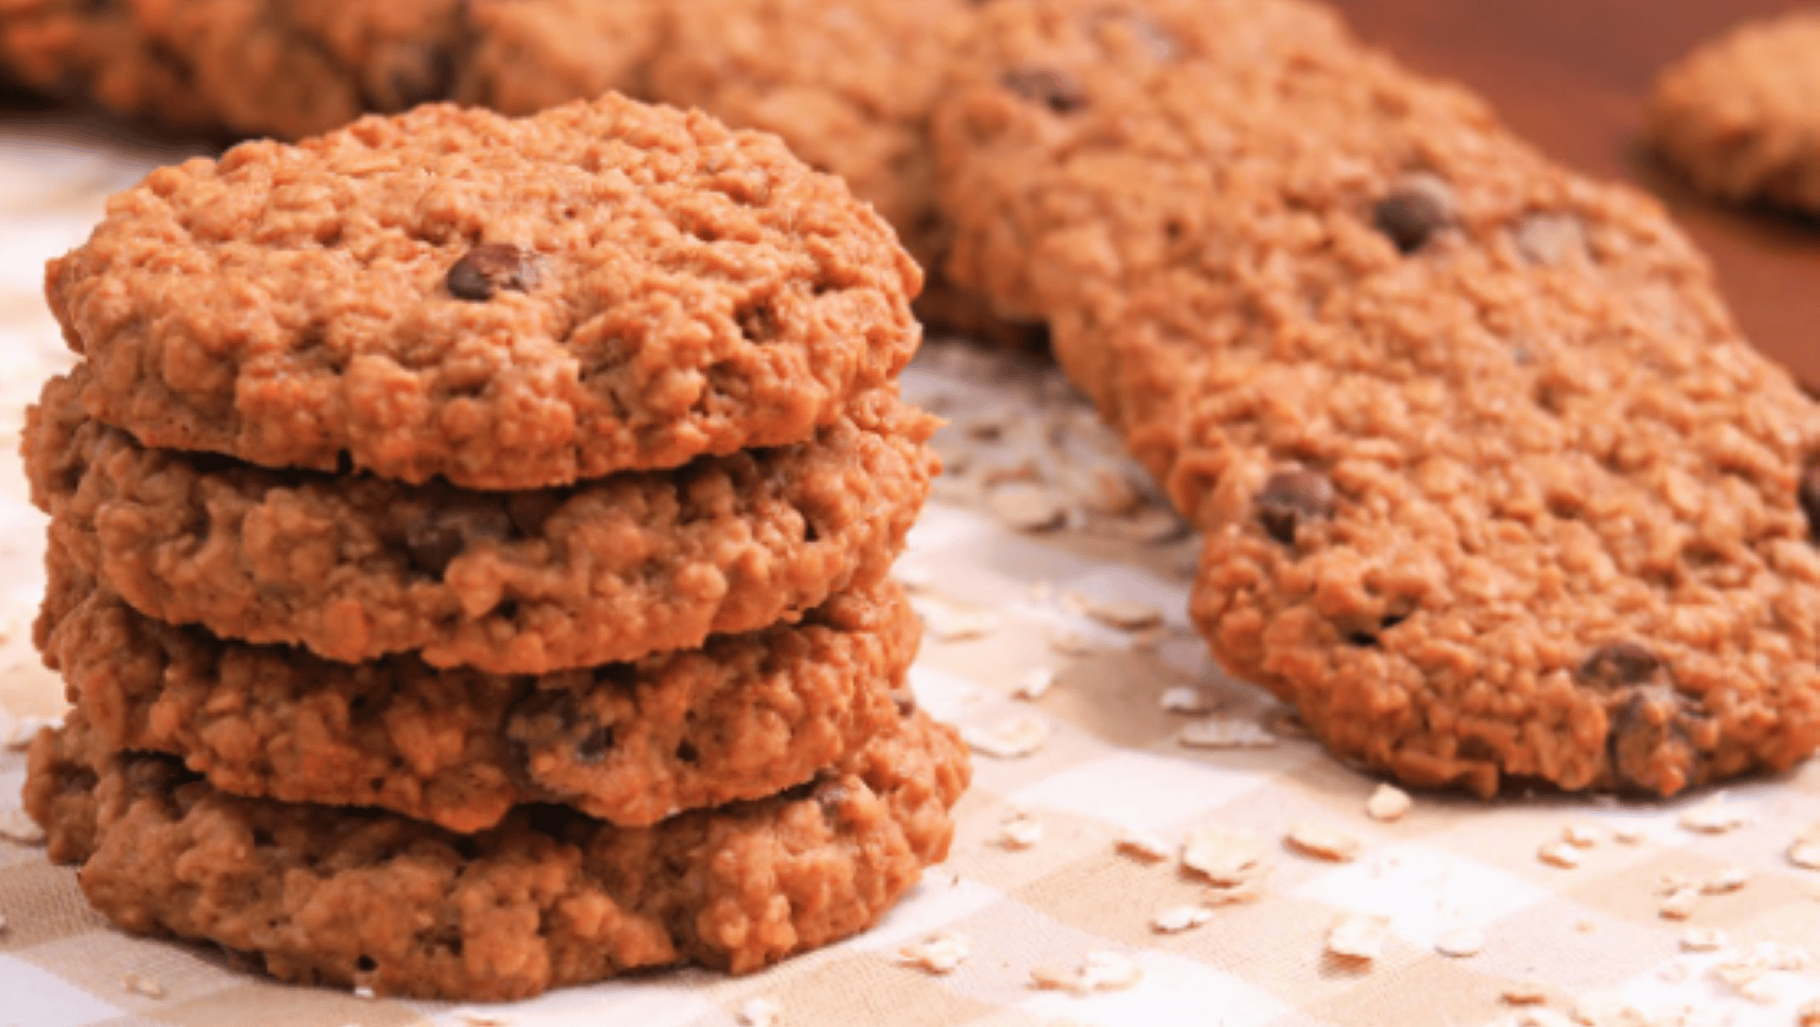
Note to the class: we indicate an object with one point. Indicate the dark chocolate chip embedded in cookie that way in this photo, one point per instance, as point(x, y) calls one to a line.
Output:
point(547, 897)
point(509, 304)
point(1491, 487)
point(742, 717)
point(355, 567)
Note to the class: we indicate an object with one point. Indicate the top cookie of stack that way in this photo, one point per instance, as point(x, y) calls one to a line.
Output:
point(507, 304)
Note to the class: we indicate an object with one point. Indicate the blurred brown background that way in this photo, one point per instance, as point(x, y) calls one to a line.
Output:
point(1573, 77)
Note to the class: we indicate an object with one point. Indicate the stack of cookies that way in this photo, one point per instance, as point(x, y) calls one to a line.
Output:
point(468, 555)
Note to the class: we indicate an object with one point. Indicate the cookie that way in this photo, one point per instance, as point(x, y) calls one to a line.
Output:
point(1740, 116)
point(511, 304)
point(742, 717)
point(356, 566)
point(550, 897)
point(1491, 488)
point(526, 55)
point(292, 68)
point(97, 50)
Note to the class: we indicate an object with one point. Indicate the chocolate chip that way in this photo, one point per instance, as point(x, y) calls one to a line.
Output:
point(1622, 664)
point(1418, 207)
point(433, 543)
point(1649, 745)
point(1293, 498)
point(1057, 90)
point(1809, 496)
point(905, 702)
point(493, 266)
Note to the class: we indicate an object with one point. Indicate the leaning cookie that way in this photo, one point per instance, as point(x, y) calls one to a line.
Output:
point(325, 895)
point(742, 717)
point(1491, 488)
point(1740, 116)
point(356, 567)
point(98, 51)
point(510, 304)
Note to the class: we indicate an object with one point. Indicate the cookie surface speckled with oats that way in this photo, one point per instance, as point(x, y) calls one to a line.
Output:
point(510, 304)
point(1491, 488)
point(327, 895)
point(742, 717)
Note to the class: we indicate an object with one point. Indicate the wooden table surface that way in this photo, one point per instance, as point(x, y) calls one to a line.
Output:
point(1573, 77)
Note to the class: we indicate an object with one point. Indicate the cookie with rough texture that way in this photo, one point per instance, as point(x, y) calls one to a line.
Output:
point(356, 566)
point(550, 897)
point(1740, 116)
point(1491, 487)
point(526, 55)
point(287, 68)
point(511, 304)
point(99, 51)
point(742, 717)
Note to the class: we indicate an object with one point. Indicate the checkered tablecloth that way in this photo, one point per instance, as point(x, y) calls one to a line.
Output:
point(1591, 936)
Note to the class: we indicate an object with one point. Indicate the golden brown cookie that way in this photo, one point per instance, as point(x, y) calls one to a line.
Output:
point(1492, 490)
point(319, 894)
point(1740, 116)
point(742, 717)
point(511, 304)
point(355, 567)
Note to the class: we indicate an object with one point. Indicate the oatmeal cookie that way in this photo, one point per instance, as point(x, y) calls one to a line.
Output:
point(1491, 487)
point(356, 566)
point(742, 717)
point(97, 50)
point(1740, 116)
point(511, 304)
point(550, 897)
point(526, 55)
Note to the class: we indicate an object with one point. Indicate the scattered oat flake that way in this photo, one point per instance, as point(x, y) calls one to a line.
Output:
point(1020, 830)
point(1805, 852)
point(1100, 971)
point(1357, 936)
point(1388, 803)
point(139, 984)
point(1461, 944)
point(1019, 736)
point(1539, 1017)
point(1145, 848)
point(1124, 614)
point(1179, 919)
point(1147, 524)
point(1026, 507)
point(479, 1020)
point(1221, 856)
point(1603, 1009)
point(1073, 643)
point(1525, 993)
point(1580, 836)
point(1322, 842)
point(1220, 895)
point(1702, 939)
point(1559, 854)
point(759, 1012)
point(947, 624)
point(1035, 683)
point(1731, 879)
point(939, 953)
point(1679, 905)
point(16, 826)
point(1186, 699)
point(1225, 733)
point(1711, 817)
point(1627, 834)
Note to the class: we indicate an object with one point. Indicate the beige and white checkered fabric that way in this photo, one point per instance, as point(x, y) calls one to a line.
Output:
point(1590, 935)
